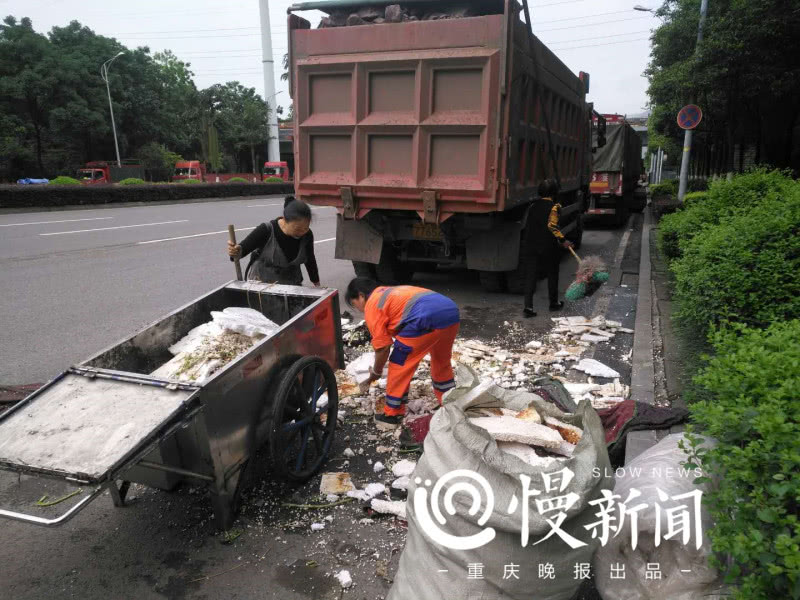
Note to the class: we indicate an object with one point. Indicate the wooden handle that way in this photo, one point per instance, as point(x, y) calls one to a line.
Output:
point(578, 258)
point(237, 264)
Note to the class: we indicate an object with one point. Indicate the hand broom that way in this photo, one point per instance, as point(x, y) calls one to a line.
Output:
point(591, 274)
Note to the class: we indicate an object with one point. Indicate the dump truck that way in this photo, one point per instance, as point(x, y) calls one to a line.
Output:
point(429, 127)
point(616, 187)
point(107, 171)
point(189, 169)
point(279, 169)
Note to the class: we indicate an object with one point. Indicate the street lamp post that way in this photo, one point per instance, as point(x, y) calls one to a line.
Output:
point(267, 59)
point(269, 125)
point(104, 75)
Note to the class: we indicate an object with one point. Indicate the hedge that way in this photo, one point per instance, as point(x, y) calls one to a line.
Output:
point(745, 269)
point(64, 180)
point(132, 181)
point(750, 408)
point(724, 198)
point(29, 196)
point(666, 188)
point(237, 180)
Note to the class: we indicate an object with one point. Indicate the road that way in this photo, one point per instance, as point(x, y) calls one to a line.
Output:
point(77, 281)
point(73, 287)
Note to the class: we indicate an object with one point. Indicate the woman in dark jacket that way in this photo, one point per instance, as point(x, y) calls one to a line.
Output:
point(279, 247)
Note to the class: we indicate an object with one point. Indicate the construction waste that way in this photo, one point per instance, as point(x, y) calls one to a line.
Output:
point(398, 13)
point(209, 347)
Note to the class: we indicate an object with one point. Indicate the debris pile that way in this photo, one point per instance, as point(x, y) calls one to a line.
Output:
point(210, 346)
point(586, 331)
point(395, 13)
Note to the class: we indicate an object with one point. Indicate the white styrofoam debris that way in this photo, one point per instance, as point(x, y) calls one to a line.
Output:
point(344, 579)
point(332, 498)
point(317, 526)
point(593, 339)
point(404, 468)
point(348, 452)
point(389, 507)
point(595, 368)
point(246, 321)
point(401, 483)
point(329, 519)
point(368, 493)
point(534, 344)
point(511, 429)
point(526, 454)
point(378, 467)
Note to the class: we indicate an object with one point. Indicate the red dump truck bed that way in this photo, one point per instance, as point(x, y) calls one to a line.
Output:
point(433, 122)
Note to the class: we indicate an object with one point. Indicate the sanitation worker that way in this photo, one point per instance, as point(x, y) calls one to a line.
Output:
point(279, 247)
point(543, 241)
point(421, 322)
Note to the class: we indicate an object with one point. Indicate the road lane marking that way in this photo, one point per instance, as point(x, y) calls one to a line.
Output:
point(117, 227)
point(327, 240)
point(185, 237)
point(64, 221)
point(260, 205)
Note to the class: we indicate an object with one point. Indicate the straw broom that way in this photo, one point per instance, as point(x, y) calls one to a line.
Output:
point(591, 274)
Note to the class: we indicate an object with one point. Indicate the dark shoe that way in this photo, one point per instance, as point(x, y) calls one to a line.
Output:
point(528, 313)
point(388, 423)
point(407, 441)
point(556, 307)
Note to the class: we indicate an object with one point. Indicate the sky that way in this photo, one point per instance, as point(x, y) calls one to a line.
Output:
point(222, 39)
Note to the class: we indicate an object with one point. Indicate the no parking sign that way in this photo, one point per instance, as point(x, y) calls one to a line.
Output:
point(689, 116)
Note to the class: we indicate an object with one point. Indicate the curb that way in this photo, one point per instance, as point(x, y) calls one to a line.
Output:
point(642, 367)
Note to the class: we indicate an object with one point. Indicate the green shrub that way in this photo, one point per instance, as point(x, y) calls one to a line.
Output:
point(237, 180)
point(723, 198)
point(751, 410)
point(132, 181)
point(273, 180)
point(694, 197)
point(191, 181)
point(745, 269)
point(665, 188)
point(64, 180)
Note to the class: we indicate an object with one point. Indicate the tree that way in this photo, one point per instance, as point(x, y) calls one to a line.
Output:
point(29, 80)
point(745, 77)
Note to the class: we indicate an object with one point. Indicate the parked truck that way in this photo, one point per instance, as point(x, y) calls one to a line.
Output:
point(107, 171)
point(616, 186)
point(279, 169)
point(189, 169)
point(430, 134)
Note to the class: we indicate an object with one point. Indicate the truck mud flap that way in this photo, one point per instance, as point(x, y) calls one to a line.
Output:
point(356, 240)
point(495, 250)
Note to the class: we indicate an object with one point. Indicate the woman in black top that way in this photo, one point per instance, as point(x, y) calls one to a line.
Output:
point(279, 247)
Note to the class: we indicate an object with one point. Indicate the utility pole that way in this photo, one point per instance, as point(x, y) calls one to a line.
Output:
point(687, 137)
point(273, 145)
point(104, 75)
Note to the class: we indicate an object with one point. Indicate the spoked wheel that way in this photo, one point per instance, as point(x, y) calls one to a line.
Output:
point(304, 418)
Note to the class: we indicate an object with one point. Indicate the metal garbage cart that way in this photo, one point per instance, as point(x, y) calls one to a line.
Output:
point(105, 423)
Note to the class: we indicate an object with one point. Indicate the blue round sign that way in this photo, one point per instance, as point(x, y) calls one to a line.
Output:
point(689, 116)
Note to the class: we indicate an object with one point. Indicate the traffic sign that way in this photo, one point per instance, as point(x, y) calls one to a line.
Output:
point(689, 116)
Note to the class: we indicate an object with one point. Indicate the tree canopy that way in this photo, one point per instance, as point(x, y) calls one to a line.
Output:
point(745, 76)
point(54, 113)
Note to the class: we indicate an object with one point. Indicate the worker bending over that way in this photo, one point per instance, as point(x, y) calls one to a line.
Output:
point(421, 322)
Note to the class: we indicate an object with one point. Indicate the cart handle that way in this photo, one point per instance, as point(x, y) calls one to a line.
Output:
point(34, 520)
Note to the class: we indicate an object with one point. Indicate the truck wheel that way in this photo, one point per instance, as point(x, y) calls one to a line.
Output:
point(622, 214)
point(364, 269)
point(391, 271)
point(492, 281)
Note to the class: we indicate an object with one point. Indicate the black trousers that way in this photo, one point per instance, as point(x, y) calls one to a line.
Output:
point(547, 259)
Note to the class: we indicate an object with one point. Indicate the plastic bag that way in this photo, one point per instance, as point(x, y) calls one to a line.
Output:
point(684, 572)
point(432, 567)
point(246, 321)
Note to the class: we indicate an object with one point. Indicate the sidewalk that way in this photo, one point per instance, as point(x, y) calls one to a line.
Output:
point(657, 373)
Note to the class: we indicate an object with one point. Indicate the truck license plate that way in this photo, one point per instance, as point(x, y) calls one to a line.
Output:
point(426, 231)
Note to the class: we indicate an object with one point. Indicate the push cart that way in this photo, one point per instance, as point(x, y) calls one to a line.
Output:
point(105, 423)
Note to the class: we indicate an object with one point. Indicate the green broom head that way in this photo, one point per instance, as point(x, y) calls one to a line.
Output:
point(600, 277)
point(576, 291)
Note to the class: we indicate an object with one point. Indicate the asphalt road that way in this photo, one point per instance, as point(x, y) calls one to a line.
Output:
point(66, 296)
point(77, 281)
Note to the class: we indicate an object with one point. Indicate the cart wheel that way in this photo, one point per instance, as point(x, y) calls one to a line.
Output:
point(302, 431)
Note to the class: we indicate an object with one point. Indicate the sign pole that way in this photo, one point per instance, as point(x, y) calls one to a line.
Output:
point(687, 137)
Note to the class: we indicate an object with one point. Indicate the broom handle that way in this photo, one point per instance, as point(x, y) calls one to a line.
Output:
point(237, 264)
point(578, 258)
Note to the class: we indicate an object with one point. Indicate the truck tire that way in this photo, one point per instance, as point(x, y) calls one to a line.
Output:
point(364, 269)
point(622, 214)
point(492, 281)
